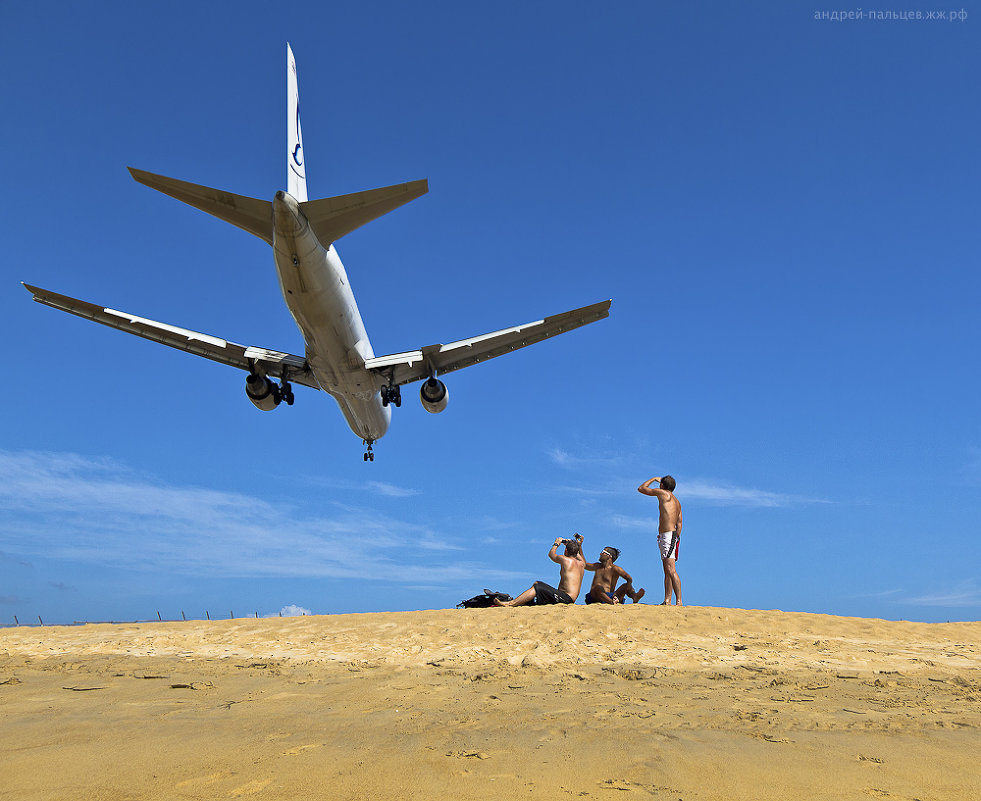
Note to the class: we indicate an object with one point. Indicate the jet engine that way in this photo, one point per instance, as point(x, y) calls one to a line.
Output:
point(434, 395)
point(263, 393)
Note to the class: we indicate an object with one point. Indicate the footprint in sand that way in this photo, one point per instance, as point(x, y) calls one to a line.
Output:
point(771, 739)
point(251, 788)
point(467, 754)
point(203, 780)
point(301, 748)
point(618, 784)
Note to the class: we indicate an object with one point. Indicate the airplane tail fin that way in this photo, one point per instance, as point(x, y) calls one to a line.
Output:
point(330, 218)
point(297, 173)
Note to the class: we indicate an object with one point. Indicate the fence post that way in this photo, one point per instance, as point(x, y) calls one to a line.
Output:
point(206, 614)
point(16, 621)
point(39, 620)
point(158, 615)
point(183, 616)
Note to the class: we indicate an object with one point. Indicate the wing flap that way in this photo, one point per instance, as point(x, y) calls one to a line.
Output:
point(275, 363)
point(438, 359)
point(248, 213)
point(333, 217)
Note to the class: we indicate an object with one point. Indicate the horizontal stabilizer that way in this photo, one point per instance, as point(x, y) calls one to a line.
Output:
point(333, 217)
point(248, 213)
point(403, 368)
point(274, 363)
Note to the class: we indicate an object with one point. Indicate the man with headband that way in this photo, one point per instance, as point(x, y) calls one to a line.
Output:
point(605, 579)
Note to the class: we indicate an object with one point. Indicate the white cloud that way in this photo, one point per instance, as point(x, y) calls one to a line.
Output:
point(290, 611)
point(643, 523)
point(355, 486)
point(729, 495)
point(490, 523)
point(95, 511)
point(720, 494)
point(563, 458)
point(878, 594)
point(391, 490)
point(964, 594)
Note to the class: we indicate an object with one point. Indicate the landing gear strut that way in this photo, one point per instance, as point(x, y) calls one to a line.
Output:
point(368, 455)
point(286, 391)
point(391, 394)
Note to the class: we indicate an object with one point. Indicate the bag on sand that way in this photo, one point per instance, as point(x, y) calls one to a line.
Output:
point(484, 600)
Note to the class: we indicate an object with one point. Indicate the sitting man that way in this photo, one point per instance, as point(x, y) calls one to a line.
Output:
point(605, 580)
point(571, 569)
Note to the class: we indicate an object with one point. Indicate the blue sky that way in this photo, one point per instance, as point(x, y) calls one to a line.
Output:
point(783, 209)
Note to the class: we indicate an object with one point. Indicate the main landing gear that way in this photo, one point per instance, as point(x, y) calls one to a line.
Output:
point(368, 455)
point(391, 394)
point(286, 391)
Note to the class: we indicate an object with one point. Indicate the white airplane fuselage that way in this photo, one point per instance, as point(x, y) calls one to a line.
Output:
point(318, 294)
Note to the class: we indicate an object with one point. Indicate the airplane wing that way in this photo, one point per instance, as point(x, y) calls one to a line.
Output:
point(214, 348)
point(438, 359)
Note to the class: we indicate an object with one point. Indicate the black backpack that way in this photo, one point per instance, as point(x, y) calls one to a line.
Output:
point(483, 600)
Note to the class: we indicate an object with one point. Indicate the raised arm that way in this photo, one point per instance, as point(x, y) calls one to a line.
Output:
point(647, 489)
point(551, 551)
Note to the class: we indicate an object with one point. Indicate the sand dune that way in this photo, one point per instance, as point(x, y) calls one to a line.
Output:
point(598, 703)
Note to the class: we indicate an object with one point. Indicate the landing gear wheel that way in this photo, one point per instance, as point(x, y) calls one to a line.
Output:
point(368, 455)
point(391, 394)
point(286, 392)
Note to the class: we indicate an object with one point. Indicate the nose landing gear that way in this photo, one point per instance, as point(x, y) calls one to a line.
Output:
point(368, 455)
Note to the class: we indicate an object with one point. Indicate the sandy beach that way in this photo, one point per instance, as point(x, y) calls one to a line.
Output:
point(615, 702)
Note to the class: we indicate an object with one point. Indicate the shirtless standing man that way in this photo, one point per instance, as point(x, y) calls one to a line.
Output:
point(668, 532)
point(571, 569)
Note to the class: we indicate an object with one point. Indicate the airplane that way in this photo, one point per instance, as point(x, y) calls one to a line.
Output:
point(338, 356)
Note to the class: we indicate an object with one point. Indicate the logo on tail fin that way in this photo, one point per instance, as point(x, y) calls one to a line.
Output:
point(298, 150)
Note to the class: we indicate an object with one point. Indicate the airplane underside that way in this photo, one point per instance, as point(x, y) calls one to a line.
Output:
point(338, 357)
